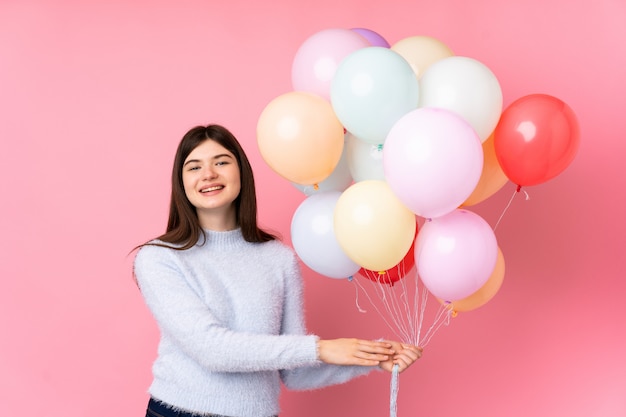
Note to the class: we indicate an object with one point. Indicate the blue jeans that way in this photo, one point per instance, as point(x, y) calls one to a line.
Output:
point(160, 409)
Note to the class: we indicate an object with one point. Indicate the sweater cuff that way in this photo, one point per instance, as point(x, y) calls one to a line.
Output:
point(317, 348)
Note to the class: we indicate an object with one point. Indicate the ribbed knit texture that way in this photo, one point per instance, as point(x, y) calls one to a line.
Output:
point(231, 320)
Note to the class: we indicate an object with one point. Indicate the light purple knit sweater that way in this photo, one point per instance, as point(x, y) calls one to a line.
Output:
point(231, 320)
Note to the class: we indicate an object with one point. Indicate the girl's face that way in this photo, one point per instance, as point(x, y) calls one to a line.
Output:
point(212, 183)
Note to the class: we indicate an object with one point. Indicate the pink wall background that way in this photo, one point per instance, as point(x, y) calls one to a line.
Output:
point(94, 97)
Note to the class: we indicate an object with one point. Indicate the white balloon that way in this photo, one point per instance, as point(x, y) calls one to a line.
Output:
point(466, 87)
point(365, 160)
point(313, 237)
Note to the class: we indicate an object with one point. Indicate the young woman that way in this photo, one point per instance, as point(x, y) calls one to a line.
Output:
point(227, 297)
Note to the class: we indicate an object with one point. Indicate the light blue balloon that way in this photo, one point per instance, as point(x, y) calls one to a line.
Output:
point(372, 88)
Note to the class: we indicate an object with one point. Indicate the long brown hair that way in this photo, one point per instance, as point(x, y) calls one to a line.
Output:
point(183, 227)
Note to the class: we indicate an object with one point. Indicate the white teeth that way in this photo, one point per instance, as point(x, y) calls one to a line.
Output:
point(206, 190)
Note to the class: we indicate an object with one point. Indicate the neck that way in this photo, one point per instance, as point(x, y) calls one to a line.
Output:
point(217, 221)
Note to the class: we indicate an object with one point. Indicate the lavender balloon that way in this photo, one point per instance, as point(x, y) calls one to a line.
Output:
point(314, 240)
point(372, 37)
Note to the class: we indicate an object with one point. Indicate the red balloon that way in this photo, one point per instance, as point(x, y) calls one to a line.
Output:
point(536, 138)
point(395, 274)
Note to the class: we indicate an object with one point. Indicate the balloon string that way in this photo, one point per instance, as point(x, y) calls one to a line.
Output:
point(408, 318)
point(386, 294)
point(405, 319)
point(443, 317)
point(517, 190)
point(393, 305)
point(417, 312)
point(409, 314)
point(397, 307)
point(395, 382)
point(381, 315)
point(356, 295)
point(421, 311)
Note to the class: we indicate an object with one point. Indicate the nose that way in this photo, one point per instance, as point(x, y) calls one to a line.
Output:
point(209, 173)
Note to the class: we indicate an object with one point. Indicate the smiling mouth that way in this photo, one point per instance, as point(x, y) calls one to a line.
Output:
point(209, 189)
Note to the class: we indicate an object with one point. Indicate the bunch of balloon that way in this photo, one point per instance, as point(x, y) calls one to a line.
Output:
point(390, 144)
point(379, 138)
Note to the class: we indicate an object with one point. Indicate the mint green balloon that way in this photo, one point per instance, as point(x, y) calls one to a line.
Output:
point(372, 88)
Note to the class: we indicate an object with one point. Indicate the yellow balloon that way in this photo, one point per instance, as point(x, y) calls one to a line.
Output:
point(486, 292)
point(372, 226)
point(300, 137)
point(492, 178)
point(421, 51)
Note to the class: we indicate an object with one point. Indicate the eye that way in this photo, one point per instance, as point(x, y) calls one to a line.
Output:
point(193, 168)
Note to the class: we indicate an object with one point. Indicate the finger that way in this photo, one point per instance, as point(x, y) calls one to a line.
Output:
point(365, 362)
point(376, 347)
point(413, 354)
point(404, 360)
point(383, 344)
point(415, 349)
point(401, 365)
point(372, 356)
point(412, 347)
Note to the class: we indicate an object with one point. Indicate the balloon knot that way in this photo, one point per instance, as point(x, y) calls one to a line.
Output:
point(350, 278)
point(316, 187)
point(519, 188)
point(382, 272)
point(380, 146)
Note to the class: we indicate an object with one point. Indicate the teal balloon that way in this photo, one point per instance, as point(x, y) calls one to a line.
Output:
point(372, 88)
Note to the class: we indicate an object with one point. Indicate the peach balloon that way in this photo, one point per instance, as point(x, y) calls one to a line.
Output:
point(492, 178)
point(421, 51)
point(300, 137)
point(486, 292)
point(372, 226)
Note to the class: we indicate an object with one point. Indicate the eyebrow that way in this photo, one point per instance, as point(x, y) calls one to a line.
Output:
point(214, 157)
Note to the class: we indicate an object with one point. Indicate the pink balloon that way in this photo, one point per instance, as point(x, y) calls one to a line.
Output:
point(432, 160)
point(455, 254)
point(318, 57)
point(372, 37)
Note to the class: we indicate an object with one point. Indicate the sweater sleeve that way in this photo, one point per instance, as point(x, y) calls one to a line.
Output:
point(185, 321)
point(309, 377)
